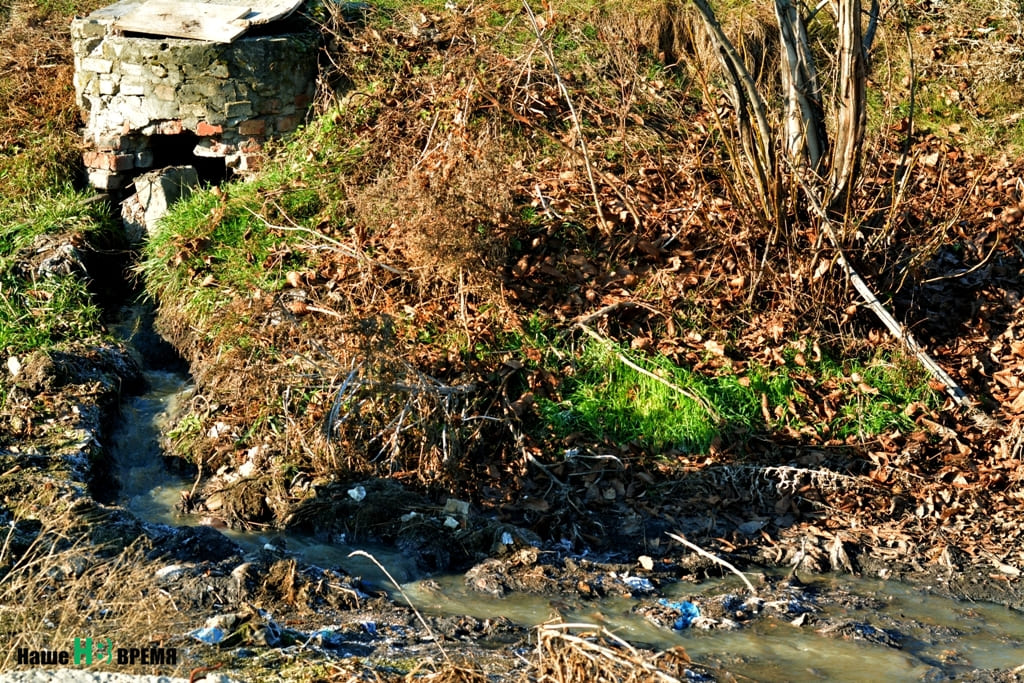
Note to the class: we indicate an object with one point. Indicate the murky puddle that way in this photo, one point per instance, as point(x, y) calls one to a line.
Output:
point(937, 638)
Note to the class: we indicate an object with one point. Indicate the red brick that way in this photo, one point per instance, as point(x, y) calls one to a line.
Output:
point(108, 161)
point(286, 124)
point(251, 145)
point(253, 127)
point(302, 100)
point(204, 129)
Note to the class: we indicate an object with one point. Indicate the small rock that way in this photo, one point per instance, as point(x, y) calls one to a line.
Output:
point(456, 507)
point(13, 365)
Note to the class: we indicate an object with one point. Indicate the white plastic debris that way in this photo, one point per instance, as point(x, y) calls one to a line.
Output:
point(170, 571)
point(217, 429)
point(638, 584)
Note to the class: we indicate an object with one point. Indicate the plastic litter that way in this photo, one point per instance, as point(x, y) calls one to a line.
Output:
point(327, 636)
point(638, 584)
point(208, 634)
point(688, 613)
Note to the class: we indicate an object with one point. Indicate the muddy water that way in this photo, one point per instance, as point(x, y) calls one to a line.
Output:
point(150, 491)
point(938, 638)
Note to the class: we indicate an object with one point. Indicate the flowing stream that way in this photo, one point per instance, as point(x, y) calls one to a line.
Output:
point(939, 638)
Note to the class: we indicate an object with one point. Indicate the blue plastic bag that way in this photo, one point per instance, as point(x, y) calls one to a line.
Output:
point(688, 613)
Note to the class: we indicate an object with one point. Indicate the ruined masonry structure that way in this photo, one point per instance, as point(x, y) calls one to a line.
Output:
point(222, 98)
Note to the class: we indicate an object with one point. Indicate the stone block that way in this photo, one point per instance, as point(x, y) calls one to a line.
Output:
point(108, 86)
point(219, 70)
point(165, 92)
point(133, 112)
point(130, 88)
point(156, 191)
point(237, 109)
point(159, 110)
point(213, 148)
point(97, 65)
point(106, 180)
point(172, 127)
point(85, 28)
point(106, 143)
point(87, 46)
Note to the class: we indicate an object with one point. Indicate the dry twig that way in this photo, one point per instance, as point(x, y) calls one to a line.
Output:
point(714, 558)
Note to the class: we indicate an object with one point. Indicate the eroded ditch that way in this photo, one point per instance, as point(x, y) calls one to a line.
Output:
point(820, 628)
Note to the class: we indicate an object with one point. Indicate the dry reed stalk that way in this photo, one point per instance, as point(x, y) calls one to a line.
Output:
point(714, 558)
point(565, 657)
point(408, 600)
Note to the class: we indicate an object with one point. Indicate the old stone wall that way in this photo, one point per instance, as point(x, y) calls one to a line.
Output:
point(232, 96)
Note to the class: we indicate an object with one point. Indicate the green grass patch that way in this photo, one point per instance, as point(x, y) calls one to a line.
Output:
point(213, 247)
point(218, 245)
point(39, 311)
point(606, 399)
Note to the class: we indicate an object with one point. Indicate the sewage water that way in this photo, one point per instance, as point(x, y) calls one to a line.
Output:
point(941, 639)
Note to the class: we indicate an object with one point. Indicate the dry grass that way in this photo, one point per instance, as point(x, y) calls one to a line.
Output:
point(61, 587)
point(564, 653)
point(595, 654)
point(38, 137)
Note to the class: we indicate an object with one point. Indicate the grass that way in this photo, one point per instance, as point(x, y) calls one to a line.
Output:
point(606, 400)
point(38, 311)
point(55, 586)
point(215, 245)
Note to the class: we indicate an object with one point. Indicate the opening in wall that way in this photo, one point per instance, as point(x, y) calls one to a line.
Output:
point(179, 150)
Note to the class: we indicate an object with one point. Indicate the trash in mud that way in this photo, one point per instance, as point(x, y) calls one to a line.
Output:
point(208, 634)
point(688, 613)
point(638, 584)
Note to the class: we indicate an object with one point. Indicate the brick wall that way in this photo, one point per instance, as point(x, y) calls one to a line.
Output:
point(233, 96)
